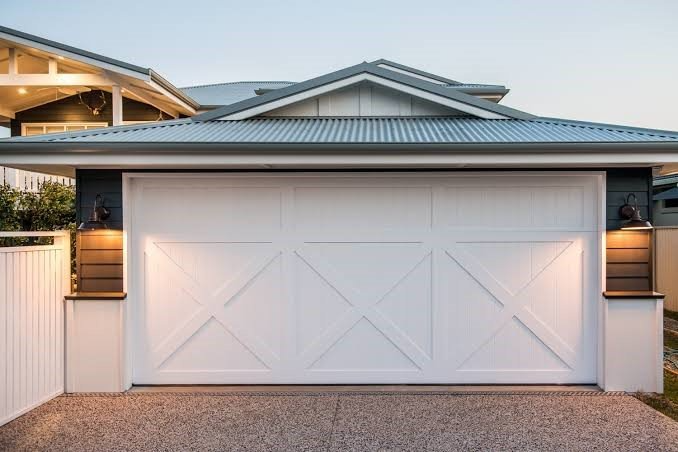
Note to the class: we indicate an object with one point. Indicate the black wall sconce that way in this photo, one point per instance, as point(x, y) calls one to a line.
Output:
point(97, 217)
point(631, 213)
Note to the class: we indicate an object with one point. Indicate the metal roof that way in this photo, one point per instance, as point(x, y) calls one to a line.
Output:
point(219, 94)
point(414, 70)
point(229, 93)
point(363, 68)
point(365, 130)
point(668, 194)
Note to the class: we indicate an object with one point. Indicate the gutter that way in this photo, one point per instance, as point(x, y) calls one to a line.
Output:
point(162, 148)
point(157, 78)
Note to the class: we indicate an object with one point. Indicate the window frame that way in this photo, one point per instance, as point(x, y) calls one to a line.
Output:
point(45, 125)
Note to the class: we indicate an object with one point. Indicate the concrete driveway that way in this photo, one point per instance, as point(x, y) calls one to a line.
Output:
point(342, 421)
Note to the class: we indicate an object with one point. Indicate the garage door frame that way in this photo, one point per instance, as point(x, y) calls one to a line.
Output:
point(128, 221)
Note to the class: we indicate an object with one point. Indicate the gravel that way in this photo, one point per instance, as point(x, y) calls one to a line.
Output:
point(342, 421)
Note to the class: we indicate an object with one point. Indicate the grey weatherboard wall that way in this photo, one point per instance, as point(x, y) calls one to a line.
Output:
point(100, 255)
point(69, 109)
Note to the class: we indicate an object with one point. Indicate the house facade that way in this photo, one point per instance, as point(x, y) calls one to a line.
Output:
point(375, 224)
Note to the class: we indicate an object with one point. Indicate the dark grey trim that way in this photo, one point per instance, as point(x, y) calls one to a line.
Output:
point(413, 70)
point(369, 68)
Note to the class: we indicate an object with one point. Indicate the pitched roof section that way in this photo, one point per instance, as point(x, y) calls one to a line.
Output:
point(84, 56)
point(220, 94)
point(324, 131)
point(354, 74)
point(411, 70)
point(32, 39)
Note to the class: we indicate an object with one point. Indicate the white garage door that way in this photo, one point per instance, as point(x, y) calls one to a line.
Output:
point(386, 278)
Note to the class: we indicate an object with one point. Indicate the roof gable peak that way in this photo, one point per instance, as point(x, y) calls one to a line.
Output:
point(363, 72)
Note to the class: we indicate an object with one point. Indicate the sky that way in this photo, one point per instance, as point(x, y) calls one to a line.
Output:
point(605, 61)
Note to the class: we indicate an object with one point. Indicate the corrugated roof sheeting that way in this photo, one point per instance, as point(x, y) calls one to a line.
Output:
point(365, 130)
point(229, 93)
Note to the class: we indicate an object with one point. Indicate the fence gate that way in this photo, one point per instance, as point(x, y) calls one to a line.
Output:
point(33, 282)
point(666, 265)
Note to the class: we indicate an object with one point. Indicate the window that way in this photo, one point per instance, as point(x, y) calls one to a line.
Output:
point(671, 203)
point(34, 128)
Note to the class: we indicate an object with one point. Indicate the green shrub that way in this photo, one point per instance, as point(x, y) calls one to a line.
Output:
point(52, 208)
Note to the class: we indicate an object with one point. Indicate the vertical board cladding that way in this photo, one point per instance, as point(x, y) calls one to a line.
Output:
point(99, 253)
point(629, 253)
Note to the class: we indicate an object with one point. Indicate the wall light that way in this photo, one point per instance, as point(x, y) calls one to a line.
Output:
point(96, 217)
point(631, 213)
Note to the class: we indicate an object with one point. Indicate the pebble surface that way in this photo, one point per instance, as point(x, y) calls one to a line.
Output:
point(342, 422)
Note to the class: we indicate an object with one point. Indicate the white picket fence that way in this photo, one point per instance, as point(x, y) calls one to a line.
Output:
point(29, 180)
point(33, 283)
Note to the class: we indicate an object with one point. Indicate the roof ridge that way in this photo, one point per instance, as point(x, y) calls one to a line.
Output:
point(236, 83)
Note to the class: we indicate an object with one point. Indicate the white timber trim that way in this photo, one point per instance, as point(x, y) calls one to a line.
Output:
point(197, 160)
point(143, 97)
point(6, 112)
point(157, 87)
point(13, 66)
point(116, 93)
point(364, 77)
point(54, 80)
point(53, 67)
point(64, 125)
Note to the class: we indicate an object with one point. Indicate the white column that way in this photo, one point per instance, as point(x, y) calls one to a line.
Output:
point(117, 105)
point(633, 343)
point(95, 344)
point(52, 68)
point(12, 62)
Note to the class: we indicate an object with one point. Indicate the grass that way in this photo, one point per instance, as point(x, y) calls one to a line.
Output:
point(666, 403)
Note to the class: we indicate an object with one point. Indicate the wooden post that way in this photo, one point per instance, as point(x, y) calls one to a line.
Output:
point(12, 62)
point(117, 105)
point(53, 68)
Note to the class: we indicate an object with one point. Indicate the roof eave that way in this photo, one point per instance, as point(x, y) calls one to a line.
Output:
point(301, 148)
point(160, 80)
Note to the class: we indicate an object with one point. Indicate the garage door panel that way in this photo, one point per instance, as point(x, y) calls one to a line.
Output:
point(362, 207)
point(212, 349)
point(514, 348)
point(540, 206)
point(237, 208)
point(382, 354)
point(354, 280)
point(363, 272)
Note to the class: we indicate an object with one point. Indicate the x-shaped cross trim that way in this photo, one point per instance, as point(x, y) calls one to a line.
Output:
point(362, 306)
point(211, 306)
point(514, 305)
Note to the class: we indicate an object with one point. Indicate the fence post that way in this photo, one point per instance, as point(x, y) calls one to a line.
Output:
point(63, 242)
